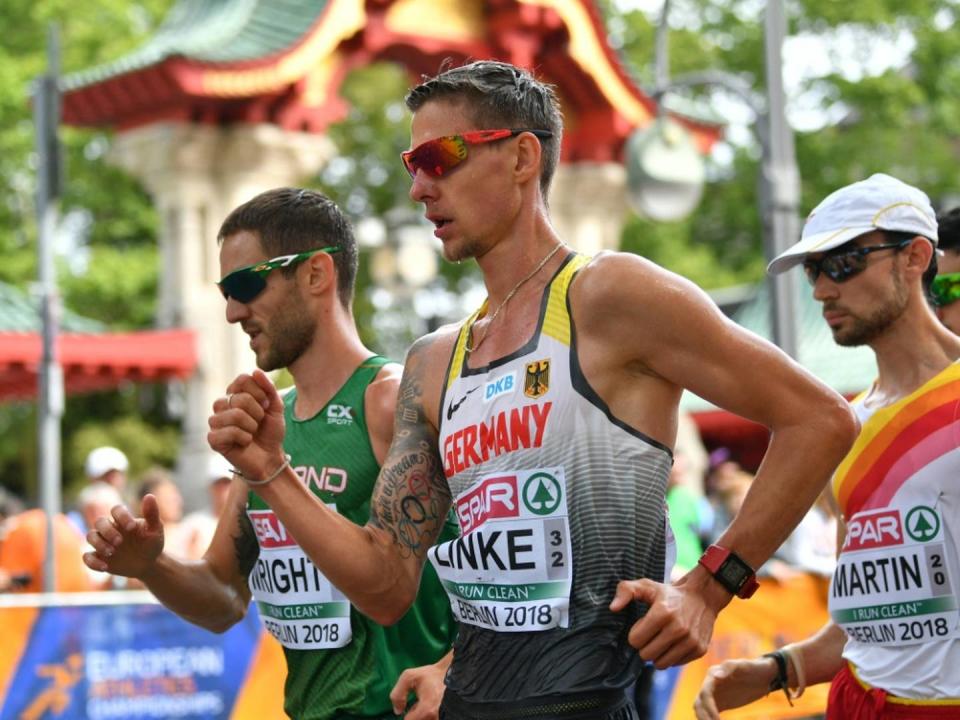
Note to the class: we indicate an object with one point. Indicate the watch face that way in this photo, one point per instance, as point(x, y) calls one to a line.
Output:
point(733, 573)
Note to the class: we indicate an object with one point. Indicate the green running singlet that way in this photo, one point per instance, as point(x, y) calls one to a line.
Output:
point(329, 674)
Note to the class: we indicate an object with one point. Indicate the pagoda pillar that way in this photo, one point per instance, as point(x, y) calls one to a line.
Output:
point(588, 205)
point(196, 175)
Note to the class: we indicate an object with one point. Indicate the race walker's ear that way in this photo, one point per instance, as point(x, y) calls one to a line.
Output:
point(529, 153)
point(321, 273)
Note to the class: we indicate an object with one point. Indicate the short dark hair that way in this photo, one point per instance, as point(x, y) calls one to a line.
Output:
point(499, 95)
point(930, 273)
point(948, 228)
point(294, 220)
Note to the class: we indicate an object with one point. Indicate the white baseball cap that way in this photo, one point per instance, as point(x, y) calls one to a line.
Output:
point(880, 202)
point(218, 468)
point(102, 460)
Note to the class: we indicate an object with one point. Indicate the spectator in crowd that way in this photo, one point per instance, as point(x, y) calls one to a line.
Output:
point(811, 547)
point(727, 483)
point(198, 527)
point(946, 286)
point(23, 548)
point(107, 464)
point(103, 464)
point(684, 509)
point(10, 505)
point(94, 501)
point(158, 481)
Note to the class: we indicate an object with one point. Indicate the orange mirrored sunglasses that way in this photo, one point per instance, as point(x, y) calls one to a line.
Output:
point(440, 155)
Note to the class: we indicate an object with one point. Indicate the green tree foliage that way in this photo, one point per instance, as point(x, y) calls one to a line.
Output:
point(112, 215)
point(106, 250)
point(903, 120)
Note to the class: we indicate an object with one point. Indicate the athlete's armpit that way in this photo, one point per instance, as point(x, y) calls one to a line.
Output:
point(412, 496)
point(245, 545)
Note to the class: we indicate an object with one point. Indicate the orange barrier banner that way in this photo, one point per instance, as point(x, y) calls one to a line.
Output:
point(779, 613)
point(106, 656)
point(122, 656)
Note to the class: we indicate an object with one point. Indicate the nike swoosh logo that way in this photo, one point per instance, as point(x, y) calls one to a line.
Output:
point(454, 406)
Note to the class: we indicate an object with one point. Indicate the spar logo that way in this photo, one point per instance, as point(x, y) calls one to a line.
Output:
point(874, 530)
point(541, 493)
point(270, 531)
point(922, 523)
point(495, 497)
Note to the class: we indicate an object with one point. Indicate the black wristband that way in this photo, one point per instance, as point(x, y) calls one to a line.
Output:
point(779, 681)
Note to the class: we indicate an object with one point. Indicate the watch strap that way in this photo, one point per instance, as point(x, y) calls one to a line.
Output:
point(730, 570)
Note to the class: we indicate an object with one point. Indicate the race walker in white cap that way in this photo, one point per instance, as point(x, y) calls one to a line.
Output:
point(880, 202)
point(892, 645)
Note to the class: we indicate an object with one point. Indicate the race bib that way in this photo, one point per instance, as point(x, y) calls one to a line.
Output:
point(893, 583)
point(297, 604)
point(511, 568)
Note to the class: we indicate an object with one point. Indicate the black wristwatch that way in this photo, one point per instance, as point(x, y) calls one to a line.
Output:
point(730, 570)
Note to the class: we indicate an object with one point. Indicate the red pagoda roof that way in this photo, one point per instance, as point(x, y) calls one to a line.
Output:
point(282, 61)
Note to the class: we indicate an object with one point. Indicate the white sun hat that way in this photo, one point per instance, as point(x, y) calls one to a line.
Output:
point(102, 460)
point(880, 202)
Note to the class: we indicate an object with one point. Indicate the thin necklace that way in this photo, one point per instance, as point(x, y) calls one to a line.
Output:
point(510, 294)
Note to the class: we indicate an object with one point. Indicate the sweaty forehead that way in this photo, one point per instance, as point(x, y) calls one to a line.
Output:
point(438, 118)
point(240, 250)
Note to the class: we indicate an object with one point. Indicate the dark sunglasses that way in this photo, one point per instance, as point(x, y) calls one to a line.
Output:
point(945, 289)
point(842, 265)
point(245, 284)
point(441, 155)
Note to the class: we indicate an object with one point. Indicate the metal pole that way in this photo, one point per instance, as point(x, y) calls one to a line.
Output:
point(781, 181)
point(662, 56)
point(50, 401)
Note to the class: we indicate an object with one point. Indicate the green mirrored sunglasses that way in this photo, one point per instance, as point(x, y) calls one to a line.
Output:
point(246, 283)
point(945, 289)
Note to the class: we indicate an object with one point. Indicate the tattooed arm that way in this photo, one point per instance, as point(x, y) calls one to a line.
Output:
point(211, 592)
point(412, 497)
point(376, 566)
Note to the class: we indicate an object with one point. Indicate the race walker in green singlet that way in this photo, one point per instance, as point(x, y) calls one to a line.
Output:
point(340, 663)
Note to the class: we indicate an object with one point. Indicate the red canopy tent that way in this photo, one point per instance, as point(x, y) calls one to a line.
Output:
point(92, 358)
point(96, 361)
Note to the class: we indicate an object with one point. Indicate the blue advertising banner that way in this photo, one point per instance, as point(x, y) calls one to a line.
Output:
point(124, 660)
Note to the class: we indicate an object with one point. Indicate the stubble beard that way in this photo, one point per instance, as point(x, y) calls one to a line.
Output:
point(290, 332)
point(464, 250)
point(864, 330)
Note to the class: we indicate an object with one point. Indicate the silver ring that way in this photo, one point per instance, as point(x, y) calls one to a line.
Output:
point(230, 400)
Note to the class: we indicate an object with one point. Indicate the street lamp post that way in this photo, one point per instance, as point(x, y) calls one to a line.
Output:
point(779, 181)
point(50, 406)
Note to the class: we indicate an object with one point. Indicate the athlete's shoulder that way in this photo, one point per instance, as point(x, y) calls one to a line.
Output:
point(434, 348)
point(381, 393)
point(612, 279)
point(424, 374)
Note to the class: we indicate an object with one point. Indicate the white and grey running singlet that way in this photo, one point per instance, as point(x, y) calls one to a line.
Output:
point(557, 501)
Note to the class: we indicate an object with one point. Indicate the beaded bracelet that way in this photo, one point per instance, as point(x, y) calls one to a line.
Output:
point(259, 483)
point(796, 659)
